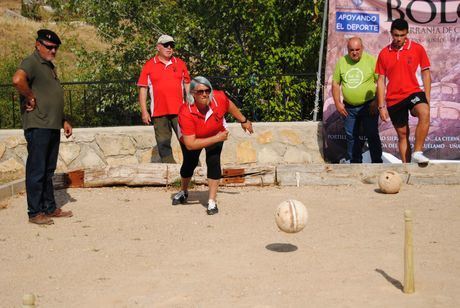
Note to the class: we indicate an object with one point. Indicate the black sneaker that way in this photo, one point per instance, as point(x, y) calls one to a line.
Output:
point(212, 211)
point(180, 198)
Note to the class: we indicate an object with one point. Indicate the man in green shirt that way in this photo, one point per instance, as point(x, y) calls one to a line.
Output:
point(354, 72)
point(42, 109)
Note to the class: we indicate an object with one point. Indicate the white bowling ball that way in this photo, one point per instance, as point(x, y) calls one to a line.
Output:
point(390, 182)
point(291, 216)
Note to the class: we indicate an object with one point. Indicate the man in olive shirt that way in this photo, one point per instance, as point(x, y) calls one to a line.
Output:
point(42, 108)
point(355, 73)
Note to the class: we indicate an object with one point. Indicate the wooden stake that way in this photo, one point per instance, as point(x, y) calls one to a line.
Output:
point(408, 254)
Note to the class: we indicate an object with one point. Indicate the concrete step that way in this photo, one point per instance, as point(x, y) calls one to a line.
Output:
point(352, 174)
point(332, 175)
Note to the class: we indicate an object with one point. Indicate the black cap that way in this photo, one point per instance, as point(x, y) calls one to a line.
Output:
point(48, 35)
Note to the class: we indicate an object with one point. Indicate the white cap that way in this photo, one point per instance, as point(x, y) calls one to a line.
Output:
point(165, 39)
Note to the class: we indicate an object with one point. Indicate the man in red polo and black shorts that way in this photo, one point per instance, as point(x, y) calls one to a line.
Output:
point(399, 62)
point(165, 77)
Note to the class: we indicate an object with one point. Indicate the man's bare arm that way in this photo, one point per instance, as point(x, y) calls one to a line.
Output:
point(21, 84)
point(336, 96)
point(381, 98)
point(143, 104)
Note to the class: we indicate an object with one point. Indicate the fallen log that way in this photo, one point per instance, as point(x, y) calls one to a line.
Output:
point(161, 175)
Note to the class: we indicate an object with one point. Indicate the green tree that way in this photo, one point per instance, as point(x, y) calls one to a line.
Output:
point(255, 39)
point(260, 44)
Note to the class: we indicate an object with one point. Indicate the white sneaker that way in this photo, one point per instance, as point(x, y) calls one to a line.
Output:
point(212, 207)
point(419, 158)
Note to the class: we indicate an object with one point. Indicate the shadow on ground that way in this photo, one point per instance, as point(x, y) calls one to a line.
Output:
point(63, 197)
point(390, 279)
point(281, 247)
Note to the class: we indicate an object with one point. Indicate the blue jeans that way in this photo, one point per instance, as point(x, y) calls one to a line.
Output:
point(43, 149)
point(357, 116)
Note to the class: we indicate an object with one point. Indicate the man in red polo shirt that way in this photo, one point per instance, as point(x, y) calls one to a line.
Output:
point(399, 62)
point(165, 78)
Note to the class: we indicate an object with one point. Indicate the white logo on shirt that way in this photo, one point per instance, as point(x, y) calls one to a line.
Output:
point(354, 78)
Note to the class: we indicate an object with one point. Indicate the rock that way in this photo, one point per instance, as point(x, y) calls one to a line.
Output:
point(48, 9)
point(88, 159)
point(13, 14)
point(265, 137)
point(295, 156)
point(268, 156)
point(2, 150)
point(144, 141)
point(21, 152)
point(176, 150)
point(11, 169)
point(61, 166)
point(245, 153)
point(228, 155)
point(13, 141)
point(145, 156)
point(228, 152)
point(177, 153)
point(82, 137)
point(290, 136)
point(279, 148)
point(115, 144)
point(64, 139)
point(126, 160)
point(69, 152)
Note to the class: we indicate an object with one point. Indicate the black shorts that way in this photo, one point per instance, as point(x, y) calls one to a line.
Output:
point(191, 159)
point(399, 113)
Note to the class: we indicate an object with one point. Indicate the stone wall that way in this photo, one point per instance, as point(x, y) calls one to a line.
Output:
point(272, 143)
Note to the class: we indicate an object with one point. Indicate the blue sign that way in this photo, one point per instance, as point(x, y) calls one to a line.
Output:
point(357, 22)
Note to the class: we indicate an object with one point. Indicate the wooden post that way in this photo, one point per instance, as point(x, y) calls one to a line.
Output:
point(408, 254)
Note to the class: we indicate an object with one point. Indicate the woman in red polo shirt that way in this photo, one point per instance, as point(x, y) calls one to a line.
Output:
point(202, 125)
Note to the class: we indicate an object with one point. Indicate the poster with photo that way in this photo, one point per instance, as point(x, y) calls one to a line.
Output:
point(433, 23)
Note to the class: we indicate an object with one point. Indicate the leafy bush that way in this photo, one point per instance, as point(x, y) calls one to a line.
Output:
point(267, 49)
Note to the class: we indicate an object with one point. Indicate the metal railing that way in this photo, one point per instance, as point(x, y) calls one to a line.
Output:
point(87, 104)
point(115, 102)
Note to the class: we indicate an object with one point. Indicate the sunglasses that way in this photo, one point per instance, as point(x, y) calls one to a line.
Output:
point(49, 47)
point(202, 92)
point(169, 44)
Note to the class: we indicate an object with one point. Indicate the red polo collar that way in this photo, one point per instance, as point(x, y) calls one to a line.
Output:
point(156, 60)
point(194, 109)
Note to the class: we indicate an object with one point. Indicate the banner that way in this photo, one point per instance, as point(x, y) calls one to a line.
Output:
point(432, 23)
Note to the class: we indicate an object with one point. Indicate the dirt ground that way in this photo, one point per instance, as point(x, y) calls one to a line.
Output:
point(128, 247)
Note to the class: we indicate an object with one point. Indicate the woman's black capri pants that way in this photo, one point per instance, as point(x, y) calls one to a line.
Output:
point(191, 158)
